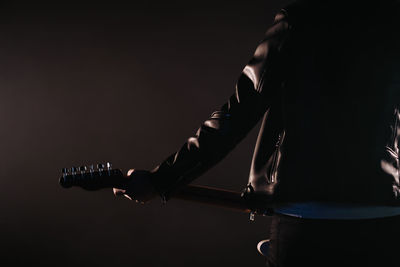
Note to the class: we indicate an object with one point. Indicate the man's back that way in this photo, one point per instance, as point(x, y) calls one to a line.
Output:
point(340, 104)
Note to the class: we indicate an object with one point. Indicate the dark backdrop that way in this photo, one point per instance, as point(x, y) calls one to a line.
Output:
point(126, 83)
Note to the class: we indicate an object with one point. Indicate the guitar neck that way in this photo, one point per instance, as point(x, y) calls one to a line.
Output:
point(105, 177)
point(213, 196)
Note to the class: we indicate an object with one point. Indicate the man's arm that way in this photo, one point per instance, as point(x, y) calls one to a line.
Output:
point(258, 85)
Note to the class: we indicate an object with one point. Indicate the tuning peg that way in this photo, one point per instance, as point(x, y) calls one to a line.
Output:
point(108, 165)
point(100, 166)
point(83, 169)
point(91, 169)
point(64, 172)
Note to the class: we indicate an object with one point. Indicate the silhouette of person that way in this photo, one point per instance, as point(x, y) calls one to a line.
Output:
point(325, 80)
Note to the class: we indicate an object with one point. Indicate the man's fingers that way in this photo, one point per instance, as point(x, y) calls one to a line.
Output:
point(121, 192)
point(130, 172)
point(118, 192)
point(127, 196)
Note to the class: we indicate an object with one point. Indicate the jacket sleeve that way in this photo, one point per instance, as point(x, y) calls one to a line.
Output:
point(257, 86)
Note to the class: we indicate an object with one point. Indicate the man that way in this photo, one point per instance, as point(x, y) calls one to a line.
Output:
point(326, 82)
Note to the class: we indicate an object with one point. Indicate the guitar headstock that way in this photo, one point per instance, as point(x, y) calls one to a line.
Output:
point(91, 177)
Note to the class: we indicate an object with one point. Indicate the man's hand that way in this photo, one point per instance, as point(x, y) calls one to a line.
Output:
point(139, 187)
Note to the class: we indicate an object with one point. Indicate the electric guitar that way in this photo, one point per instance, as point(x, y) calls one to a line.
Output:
point(104, 176)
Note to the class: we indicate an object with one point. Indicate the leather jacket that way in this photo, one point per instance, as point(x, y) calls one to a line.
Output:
point(327, 89)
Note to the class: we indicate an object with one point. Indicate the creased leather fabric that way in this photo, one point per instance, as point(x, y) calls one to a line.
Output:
point(327, 87)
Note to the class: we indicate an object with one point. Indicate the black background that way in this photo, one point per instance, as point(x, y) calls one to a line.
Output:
point(126, 83)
